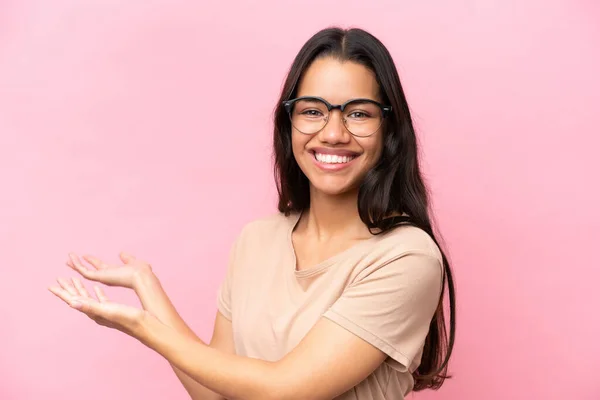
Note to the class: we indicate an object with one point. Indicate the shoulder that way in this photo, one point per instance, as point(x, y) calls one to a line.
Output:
point(409, 239)
point(406, 252)
point(269, 223)
point(405, 260)
point(267, 228)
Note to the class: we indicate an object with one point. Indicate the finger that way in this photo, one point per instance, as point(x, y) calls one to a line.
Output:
point(66, 285)
point(75, 262)
point(88, 306)
point(80, 288)
point(126, 258)
point(78, 266)
point(100, 294)
point(95, 262)
point(61, 294)
point(74, 258)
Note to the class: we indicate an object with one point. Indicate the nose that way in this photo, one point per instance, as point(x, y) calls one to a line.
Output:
point(335, 131)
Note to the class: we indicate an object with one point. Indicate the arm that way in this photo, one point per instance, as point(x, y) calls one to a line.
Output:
point(155, 300)
point(138, 275)
point(394, 302)
point(326, 363)
point(387, 311)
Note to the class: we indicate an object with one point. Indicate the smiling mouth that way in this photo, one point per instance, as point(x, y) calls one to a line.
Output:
point(332, 158)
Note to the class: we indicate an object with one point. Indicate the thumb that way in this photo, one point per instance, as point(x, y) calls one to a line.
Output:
point(126, 258)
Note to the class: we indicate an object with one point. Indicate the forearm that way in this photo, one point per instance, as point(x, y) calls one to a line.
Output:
point(155, 301)
point(233, 377)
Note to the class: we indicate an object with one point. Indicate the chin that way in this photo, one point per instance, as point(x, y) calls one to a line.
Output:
point(334, 188)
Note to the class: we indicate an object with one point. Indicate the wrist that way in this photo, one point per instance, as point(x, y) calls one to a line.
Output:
point(146, 328)
point(142, 278)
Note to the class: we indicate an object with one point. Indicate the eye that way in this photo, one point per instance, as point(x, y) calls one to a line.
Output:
point(312, 113)
point(358, 115)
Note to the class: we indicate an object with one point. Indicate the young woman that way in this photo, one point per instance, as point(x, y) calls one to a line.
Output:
point(340, 294)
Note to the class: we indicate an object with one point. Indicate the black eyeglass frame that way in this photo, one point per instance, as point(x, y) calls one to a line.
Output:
point(289, 104)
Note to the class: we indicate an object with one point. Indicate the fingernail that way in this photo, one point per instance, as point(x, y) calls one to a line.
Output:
point(76, 304)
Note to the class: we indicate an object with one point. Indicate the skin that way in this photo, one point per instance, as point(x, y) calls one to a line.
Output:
point(332, 223)
point(212, 370)
point(337, 82)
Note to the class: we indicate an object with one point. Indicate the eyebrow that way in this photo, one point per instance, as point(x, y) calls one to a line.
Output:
point(345, 101)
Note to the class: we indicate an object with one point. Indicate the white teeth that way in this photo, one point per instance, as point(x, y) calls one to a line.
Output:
point(332, 158)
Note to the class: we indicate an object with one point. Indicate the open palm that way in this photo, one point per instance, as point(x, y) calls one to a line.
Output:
point(100, 309)
point(124, 275)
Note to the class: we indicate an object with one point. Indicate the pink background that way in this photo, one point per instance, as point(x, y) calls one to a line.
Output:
point(145, 126)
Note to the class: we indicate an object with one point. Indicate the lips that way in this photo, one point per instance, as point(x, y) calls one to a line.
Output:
point(336, 152)
point(333, 159)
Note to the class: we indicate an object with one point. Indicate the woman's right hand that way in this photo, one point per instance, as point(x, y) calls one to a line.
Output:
point(126, 275)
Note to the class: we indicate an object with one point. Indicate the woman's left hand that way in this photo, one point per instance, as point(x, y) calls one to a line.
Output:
point(127, 319)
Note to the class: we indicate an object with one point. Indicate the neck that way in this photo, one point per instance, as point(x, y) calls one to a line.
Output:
point(334, 216)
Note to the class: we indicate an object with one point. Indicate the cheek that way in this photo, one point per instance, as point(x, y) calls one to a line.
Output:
point(373, 149)
point(299, 142)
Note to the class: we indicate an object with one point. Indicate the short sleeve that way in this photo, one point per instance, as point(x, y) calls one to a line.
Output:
point(391, 306)
point(225, 291)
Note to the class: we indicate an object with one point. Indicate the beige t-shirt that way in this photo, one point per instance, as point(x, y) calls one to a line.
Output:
point(384, 290)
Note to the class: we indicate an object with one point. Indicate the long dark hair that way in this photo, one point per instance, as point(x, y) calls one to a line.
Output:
point(393, 187)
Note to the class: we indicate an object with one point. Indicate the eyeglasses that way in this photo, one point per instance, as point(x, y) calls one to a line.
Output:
point(362, 117)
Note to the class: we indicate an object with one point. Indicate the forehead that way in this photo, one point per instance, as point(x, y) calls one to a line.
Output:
point(338, 81)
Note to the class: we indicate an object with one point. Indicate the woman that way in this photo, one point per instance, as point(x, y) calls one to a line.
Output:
point(339, 295)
